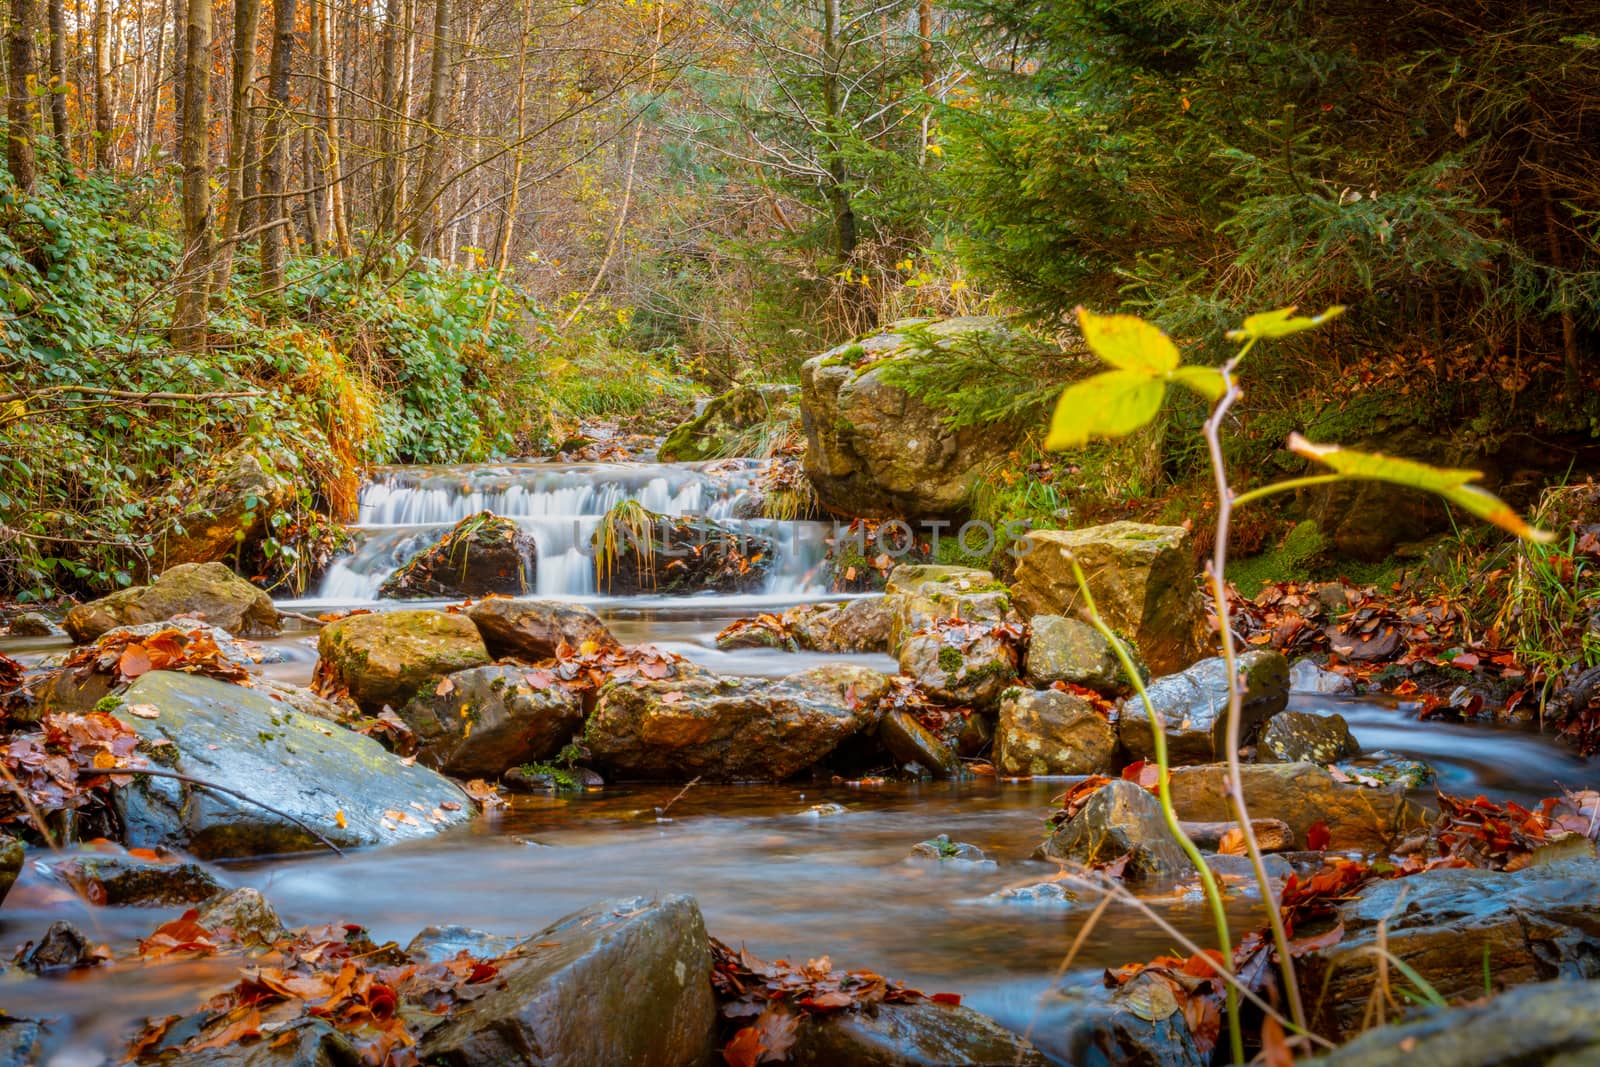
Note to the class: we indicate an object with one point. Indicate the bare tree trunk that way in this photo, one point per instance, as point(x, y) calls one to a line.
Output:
point(250, 201)
point(275, 148)
point(508, 224)
point(22, 73)
point(147, 143)
point(322, 31)
point(246, 27)
point(313, 202)
point(180, 66)
point(58, 81)
point(389, 140)
point(194, 272)
point(425, 224)
point(844, 216)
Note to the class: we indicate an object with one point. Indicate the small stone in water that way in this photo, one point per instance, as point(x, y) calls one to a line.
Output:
point(818, 811)
point(941, 848)
point(1047, 893)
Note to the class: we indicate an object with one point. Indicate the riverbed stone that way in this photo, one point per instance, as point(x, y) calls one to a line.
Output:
point(1357, 817)
point(347, 786)
point(24, 1042)
point(874, 449)
point(1296, 736)
point(1306, 677)
point(1120, 819)
point(1553, 1024)
point(206, 591)
point(1193, 705)
point(973, 672)
point(342, 712)
point(34, 624)
point(680, 556)
point(11, 858)
point(1070, 650)
point(1124, 1026)
point(859, 625)
point(117, 879)
point(1142, 578)
point(480, 722)
point(725, 426)
point(482, 554)
point(1049, 731)
point(387, 658)
point(910, 1035)
point(1536, 924)
point(922, 579)
point(302, 1042)
point(436, 944)
point(730, 728)
point(624, 982)
point(244, 913)
point(908, 741)
point(533, 629)
point(917, 611)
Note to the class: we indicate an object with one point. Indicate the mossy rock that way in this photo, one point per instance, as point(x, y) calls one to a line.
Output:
point(207, 591)
point(386, 658)
point(730, 424)
point(482, 555)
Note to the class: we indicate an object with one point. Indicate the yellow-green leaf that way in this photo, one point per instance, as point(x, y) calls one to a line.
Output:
point(1207, 381)
point(1112, 404)
point(1450, 483)
point(1281, 323)
point(1128, 342)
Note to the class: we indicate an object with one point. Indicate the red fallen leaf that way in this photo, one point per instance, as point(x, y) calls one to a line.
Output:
point(777, 1030)
point(829, 1001)
point(1318, 836)
point(248, 1025)
point(952, 999)
point(1143, 774)
point(151, 1036)
point(1466, 661)
point(133, 662)
point(1275, 1050)
point(482, 972)
point(745, 1049)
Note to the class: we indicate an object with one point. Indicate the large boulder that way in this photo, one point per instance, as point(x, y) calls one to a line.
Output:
point(638, 552)
point(1048, 731)
point(1453, 928)
point(956, 666)
point(533, 629)
point(224, 511)
point(1357, 817)
point(389, 657)
point(930, 606)
point(909, 1035)
point(1193, 706)
point(1141, 577)
point(207, 591)
point(1120, 819)
point(730, 729)
point(480, 722)
point(860, 625)
point(625, 982)
point(345, 785)
point(874, 449)
point(733, 423)
point(1070, 650)
point(482, 554)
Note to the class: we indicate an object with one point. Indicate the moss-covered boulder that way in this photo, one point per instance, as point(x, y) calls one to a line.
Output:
point(1193, 706)
point(934, 605)
point(1120, 819)
point(11, 856)
point(874, 449)
point(388, 657)
point(955, 665)
point(860, 625)
point(480, 722)
point(345, 785)
point(1048, 731)
point(207, 591)
point(224, 510)
point(1070, 650)
point(1296, 736)
point(638, 552)
point(930, 578)
point(735, 424)
point(483, 554)
point(533, 629)
point(730, 729)
point(1142, 578)
point(1357, 817)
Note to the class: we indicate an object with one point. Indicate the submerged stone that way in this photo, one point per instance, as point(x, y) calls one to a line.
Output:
point(1120, 819)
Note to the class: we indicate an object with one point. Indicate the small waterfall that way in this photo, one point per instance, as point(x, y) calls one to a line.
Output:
point(407, 509)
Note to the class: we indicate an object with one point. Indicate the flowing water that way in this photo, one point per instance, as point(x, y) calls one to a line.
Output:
point(767, 870)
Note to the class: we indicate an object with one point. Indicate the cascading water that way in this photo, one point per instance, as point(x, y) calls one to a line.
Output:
point(406, 509)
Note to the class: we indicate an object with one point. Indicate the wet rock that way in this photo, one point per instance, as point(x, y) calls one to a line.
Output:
point(1372, 820)
point(1142, 578)
point(731, 424)
point(340, 713)
point(926, 579)
point(1533, 925)
point(62, 947)
point(1194, 706)
point(1119, 819)
point(33, 624)
point(914, 612)
point(344, 784)
point(1048, 731)
point(975, 736)
point(549, 778)
point(303, 1042)
point(207, 591)
point(1304, 736)
point(1385, 768)
point(1555, 1024)
point(244, 652)
point(910, 1035)
point(226, 512)
point(730, 728)
point(436, 944)
point(1132, 1026)
point(480, 722)
point(973, 673)
point(11, 858)
point(1069, 650)
point(24, 1042)
point(908, 741)
point(1273, 835)
point(640, 553)
point(389, 657)
point(942, 848)
point(627, 982)
point(825, 810)
point(481, 555)
point(860, 625)
point(245, 913)
point(874, 449)
point(1307, 677)
point(120, 880)
point(533, 629)
point(1045, 894)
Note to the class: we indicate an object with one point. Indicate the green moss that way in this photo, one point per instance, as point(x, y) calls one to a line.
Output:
point(562, 777)
point(108, 704)
point(848, 356)
point(951, 660)
point(1292, 560)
